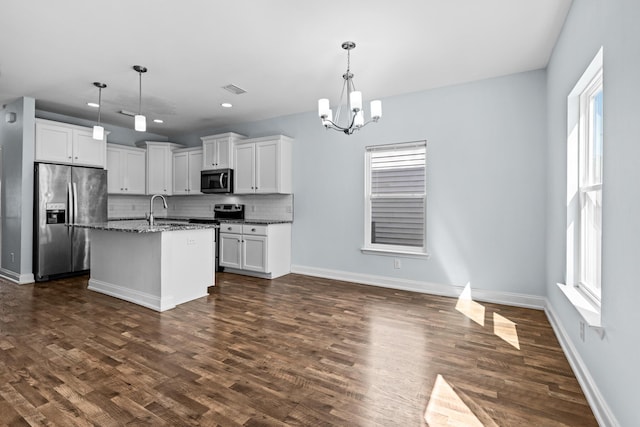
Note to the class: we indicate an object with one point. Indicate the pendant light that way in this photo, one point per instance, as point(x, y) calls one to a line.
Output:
point(140, 120)
point(98, 130)
point(355, 118)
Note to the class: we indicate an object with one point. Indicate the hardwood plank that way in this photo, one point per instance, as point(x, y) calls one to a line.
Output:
point(291, 351)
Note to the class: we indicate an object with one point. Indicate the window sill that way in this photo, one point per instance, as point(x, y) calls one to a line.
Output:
point(590, 312)
point(388, 252)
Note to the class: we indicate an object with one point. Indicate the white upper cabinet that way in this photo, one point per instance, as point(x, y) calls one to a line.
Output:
point(125, 170)
point(263, 165)
point(217, 150)
point(159, 166)
point(187, 165)
point(64, 143)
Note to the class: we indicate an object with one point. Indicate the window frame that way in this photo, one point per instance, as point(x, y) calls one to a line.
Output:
point(587, 185)
point(387, 249)
point(587, 303)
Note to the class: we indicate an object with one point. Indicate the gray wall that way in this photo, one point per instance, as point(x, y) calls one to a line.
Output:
point(486, 194)
point(17, 141)
point(610, 362)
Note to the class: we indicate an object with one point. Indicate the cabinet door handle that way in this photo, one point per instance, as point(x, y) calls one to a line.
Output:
point(253, 229)
point(229, 228)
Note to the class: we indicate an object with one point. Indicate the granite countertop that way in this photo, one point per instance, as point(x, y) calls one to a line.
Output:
point(255, 221)
point(142, 226)
point(187, 218)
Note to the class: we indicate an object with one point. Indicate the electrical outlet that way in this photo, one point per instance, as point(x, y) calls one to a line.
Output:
point(396, 263)
point(191, 242)
point(13, 258)
point(581, 331)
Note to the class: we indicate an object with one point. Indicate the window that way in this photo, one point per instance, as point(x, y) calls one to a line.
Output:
point(395, 198)
point(585, 140)
point(590, 187)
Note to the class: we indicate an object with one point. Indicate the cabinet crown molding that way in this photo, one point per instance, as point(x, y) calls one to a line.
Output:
point(222, 135)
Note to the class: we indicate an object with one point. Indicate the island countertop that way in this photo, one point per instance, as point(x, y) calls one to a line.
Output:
point(142, 226)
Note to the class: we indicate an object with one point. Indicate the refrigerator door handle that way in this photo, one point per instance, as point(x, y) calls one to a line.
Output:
point(69, 219)
point(75, 202)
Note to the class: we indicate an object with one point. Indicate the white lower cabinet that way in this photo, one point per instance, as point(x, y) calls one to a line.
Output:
point(259, 250)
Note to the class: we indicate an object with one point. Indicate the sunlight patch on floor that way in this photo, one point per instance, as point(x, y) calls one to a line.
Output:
point(506, 329)
point(502, 327)
point(469, 307)
point(446, 408)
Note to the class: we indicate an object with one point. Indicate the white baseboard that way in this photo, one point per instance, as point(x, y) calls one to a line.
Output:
point(598, 405)
point(141, 298)
point(518, 300)
point(20, 279)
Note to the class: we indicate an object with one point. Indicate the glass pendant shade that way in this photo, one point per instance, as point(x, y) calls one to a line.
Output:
point(376, 109)
point(98, 132)
point(358, 121)
point(140, 123)
point(356, 101)
point(323, 107)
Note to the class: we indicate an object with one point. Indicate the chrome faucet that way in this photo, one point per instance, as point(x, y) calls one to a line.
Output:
point(164, 202)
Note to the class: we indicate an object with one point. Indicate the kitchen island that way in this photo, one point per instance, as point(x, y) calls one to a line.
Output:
point(157, 266)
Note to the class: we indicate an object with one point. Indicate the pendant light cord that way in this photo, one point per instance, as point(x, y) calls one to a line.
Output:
point(99, 103)
point(140, 94)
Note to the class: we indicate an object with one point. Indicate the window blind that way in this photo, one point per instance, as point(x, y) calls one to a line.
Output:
point(398, 195)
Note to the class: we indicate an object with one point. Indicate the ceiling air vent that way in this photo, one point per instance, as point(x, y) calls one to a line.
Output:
point(234, 89)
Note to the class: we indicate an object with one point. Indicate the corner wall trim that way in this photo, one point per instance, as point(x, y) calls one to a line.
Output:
point(20, 279)
point(598, 405)
point(497, 297)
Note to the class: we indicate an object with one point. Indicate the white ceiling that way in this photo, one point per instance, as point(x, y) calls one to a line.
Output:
point(285, 53)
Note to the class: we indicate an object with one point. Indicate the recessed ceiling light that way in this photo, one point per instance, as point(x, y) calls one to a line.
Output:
point(158, 121)
point(93, 104)
point(226, 105)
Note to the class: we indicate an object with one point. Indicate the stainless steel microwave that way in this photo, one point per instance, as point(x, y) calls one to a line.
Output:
point(216, 181)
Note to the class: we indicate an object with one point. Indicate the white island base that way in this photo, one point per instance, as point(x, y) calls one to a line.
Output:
point(157, 270)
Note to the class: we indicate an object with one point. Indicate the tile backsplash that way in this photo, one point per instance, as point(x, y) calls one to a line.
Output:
point(263, 206)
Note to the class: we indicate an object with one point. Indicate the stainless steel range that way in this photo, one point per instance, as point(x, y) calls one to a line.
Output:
point(222, 212)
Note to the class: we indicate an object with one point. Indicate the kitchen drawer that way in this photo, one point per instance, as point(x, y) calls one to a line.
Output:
point(257, 230)
point(230, 228)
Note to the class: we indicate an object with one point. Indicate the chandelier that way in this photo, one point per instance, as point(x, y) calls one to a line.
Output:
point(355, 119)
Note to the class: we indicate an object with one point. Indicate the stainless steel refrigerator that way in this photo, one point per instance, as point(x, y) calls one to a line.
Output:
point(65, 195)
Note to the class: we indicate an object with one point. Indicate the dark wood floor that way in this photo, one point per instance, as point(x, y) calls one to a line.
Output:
point(292, 351)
